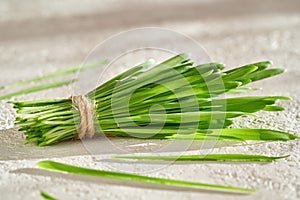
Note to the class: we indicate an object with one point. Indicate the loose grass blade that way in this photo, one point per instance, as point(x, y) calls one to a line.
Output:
point(61, 167)
point(37, 89)
point(59, 73)
point(208, 157)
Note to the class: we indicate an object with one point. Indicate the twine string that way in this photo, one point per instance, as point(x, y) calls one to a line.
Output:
point(87, 113)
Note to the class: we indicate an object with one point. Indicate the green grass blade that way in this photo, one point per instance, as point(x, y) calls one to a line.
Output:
point(239, 133)
point(37, 88)
point(36, 103)
point(246, 104)
point(209, 157)
point(61, 167)
point(187, 117)
point(241, 90)
point(273, 108)
point(259, 75)
point(257, 134)
point(239, 72)
point(261, 66)
point(47, 196)
point(59, 73)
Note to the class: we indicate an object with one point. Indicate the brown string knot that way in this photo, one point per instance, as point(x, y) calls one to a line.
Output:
point(87, 114)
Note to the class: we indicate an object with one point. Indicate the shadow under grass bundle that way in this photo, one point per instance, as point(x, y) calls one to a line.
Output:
point(172, 100)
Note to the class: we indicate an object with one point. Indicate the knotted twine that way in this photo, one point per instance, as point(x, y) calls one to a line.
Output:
point(87, 115)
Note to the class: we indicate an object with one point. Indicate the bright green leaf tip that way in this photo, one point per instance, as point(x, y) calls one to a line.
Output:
point(61, 167)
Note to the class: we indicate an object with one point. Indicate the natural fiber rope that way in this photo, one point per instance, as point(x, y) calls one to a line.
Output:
point(87, 113)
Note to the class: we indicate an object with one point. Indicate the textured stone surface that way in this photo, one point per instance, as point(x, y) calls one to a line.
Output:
point(41, 37)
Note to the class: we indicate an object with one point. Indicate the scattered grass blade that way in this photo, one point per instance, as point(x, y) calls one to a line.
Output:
point(37, 88)
point(61, 167)
point(59, 73)
point(208, 157)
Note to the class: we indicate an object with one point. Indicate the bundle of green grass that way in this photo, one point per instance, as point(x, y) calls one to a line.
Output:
point(175, 99)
